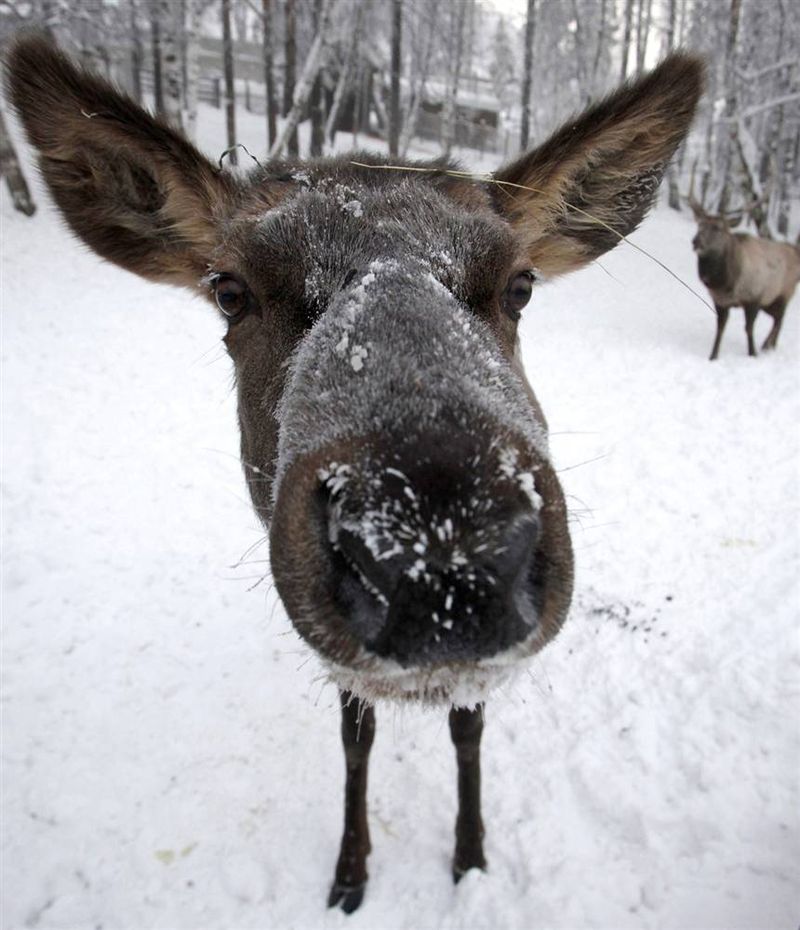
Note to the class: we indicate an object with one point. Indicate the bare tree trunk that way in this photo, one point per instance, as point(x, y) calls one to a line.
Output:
point(192, 76)
point(302, 91)
point(10, 169)
point(642, 32)
point(136, 52)
point(239, 14)
point(155, 37)
point(360, 95)
point(469, 26)
point(580, 56)
point(269, 76)
point(790, 162)
point(747, 151)
point(626, 40)
point(774, 121)
point(230, 86)
point(727, 140)
point(290, 56)
point(169, 17)
point(317, 99)
point(527, 75)
point(601, 39)
point(672, 12)
point(674, 195)
point(345, 75)
point(450, 109)
point(786, 146)
point(376, 98)
point(427, 31)
point(396, 65)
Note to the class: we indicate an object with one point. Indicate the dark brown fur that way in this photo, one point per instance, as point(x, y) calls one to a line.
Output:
point(420, 273)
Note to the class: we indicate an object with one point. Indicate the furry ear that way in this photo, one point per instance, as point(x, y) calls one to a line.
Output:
point(596, 177)
point(135, 190)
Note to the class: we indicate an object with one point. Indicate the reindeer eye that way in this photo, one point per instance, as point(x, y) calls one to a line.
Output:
point(232, 296)
point(518, 293)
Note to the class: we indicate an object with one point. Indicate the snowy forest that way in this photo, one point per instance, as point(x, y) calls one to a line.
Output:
point(452, 74)
point(171, 752)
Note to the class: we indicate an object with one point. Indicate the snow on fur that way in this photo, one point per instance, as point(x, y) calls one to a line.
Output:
point(389, 314)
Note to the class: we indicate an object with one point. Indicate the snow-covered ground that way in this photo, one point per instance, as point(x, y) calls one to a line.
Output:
point(171, 757)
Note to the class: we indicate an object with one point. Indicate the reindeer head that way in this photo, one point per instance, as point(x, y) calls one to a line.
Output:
point(713, 232)
point(418, 532)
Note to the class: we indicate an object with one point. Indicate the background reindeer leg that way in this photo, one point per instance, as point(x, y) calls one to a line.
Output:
point(776, 311)
point(750, 314)
point(358, 732)
point(466, 727)
point(722, 319)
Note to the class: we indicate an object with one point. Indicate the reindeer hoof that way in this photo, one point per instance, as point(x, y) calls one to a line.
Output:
point(348, 897)
point(461, 868)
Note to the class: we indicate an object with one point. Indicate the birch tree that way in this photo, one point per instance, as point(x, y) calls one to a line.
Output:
point(269, 74)
point(230, 86)
point(501, 67)
point(626, 38)
point(600, 47)
point(348, 68)
point(423, 30)
point(643, 20)
point(674, 197)
point(580, 54)
point(395, 68)
point(527, 74)
point(170, 19)
point(302, 91)
point(317, 98)
point(137, 52)
point(290, 69)
point(450, 107)
point(194, 14)
point(155, 52)
point(727, 140)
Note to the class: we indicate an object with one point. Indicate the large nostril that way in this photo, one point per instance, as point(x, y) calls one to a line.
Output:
point(514, 551)
point(380, 576)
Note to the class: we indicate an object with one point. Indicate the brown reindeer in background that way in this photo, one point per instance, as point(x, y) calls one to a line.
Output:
point(391, 443)
point(740, 270)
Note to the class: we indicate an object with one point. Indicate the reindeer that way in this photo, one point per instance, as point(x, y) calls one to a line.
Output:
point(391, 443)
point(740, 270)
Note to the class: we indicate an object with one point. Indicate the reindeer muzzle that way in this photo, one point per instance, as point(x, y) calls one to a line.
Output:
point(411, 472)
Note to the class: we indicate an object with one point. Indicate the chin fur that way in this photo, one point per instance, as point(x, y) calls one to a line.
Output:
point(457, 684)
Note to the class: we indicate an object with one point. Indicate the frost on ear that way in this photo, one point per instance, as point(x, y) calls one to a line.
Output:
point(592, 182)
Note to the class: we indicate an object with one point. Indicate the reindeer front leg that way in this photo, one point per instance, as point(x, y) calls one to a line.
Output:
point(750, 314)
point(722, 319)
point(358, 732)
point(466, 727)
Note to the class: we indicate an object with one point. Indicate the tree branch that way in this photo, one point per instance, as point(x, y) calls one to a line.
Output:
point(755, 75)
point(761, 107)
